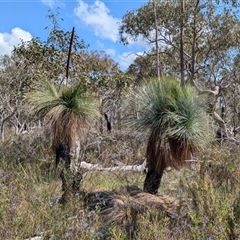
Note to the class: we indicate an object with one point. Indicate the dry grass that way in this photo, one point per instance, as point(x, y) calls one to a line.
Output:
point(194, 203)
point(121, 208)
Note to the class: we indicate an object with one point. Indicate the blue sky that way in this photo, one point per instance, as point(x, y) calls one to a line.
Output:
point(95, 21)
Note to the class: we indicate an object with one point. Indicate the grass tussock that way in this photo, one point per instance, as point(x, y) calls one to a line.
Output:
point(198, 202)
point(122, 208)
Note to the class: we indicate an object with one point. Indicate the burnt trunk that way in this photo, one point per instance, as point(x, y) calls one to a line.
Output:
point(63, 153)
point(152, 181)
point(73, 179)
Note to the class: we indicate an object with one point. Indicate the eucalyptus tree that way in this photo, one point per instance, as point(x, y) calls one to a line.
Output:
point(144, 67)
point(210, 33)
point(175, 119)
point(144, 23)
point(230, 98)
point(102, 75)
point(47, 58)
point(12, 109)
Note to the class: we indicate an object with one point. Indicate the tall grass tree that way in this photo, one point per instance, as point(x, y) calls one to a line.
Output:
point(177, 124)
point(67, 111)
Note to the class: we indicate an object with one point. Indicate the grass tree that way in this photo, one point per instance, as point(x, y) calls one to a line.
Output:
point(175, 118)
point(68, 111)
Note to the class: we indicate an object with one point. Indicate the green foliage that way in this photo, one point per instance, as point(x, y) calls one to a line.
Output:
point(209, 41)
point(117, 234)
point(65, 102)
point(209, 37)
point(144, 67)
point(211, 211)
point(46, 59)
point(175, 118)
point(30, 190)
point(29, 186)
point(170, 109)
point(67, 111)
point(30, 208)
point(58, 38)
point(156, 225)
point(32, 62)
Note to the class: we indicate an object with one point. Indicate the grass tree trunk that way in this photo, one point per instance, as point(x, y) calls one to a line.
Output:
point(63, 153)
point(152, 181)
point(71, 179)
point(155, 165)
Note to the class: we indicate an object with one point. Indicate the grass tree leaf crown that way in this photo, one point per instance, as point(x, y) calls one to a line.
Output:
point(175, 118)
point(68, 110)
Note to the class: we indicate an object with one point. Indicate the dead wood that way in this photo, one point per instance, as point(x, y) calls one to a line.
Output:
point(123, 208)
point(98, 167)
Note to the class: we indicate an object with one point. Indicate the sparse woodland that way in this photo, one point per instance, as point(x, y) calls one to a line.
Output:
point(91, 152)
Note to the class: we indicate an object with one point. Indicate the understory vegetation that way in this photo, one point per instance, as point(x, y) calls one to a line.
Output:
point(199, 202)
point(85, 113)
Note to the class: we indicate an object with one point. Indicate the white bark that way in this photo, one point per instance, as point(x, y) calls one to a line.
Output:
point(98, 167)
point(75, 153)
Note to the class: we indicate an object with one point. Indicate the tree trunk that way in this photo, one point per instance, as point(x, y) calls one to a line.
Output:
point(156, 40)
point(70, 180)
point(182, 42)
point(152, 181)
point(194, 41)
point(63, 153)
point(3, 122)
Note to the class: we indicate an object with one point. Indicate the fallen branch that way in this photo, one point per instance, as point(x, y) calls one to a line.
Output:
point(98, 167)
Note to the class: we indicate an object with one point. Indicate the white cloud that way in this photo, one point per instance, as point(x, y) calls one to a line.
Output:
point(97, 16)
point(127, 58)
point(110, 51)
point(52, 3)
point(49, 3)
point(100, 44)
point(9, 40)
